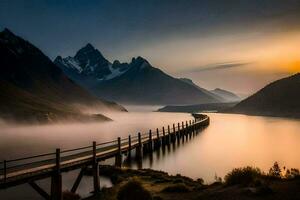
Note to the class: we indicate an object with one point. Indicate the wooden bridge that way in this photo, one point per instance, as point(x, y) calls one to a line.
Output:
point(28, 170)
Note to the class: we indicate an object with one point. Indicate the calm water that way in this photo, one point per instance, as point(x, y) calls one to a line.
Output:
point(230, 141)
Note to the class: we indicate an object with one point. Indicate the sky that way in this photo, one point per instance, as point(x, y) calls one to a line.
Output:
point(238, 45)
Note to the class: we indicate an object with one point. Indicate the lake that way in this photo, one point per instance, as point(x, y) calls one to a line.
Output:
point(229, 141)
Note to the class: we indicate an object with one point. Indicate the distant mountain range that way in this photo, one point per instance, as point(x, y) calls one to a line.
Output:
point(34, 88)
point(137, 82)
point(280, 98)
point(210, 107)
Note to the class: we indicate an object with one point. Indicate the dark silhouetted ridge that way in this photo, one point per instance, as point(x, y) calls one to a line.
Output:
point(280, 98)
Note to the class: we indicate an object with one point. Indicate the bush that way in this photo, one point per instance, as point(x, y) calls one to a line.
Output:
point(275, 171)
point(244, 176)
point(180, 188)
point(200, 181)
point(133, 190)
point(292, 173)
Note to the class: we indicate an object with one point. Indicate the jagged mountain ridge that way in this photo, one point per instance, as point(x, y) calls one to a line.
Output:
point(137, 82)
point(31, 83)
point(90, 63)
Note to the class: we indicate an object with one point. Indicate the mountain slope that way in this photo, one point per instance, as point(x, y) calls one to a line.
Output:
point(209, 93)
point(280, 98)
point(136, 82)
point(226, 95)
point(27, 75)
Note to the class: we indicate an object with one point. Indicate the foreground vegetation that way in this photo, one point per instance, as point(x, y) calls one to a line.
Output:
point(240, 183)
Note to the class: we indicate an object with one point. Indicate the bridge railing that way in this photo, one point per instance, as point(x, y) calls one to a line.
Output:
point(49, 159)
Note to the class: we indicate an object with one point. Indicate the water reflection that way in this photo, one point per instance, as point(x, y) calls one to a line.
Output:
point(232, 141)
point(229, 141)
point(158, 154)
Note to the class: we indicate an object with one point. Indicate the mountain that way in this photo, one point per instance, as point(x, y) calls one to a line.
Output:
point(137, 82)
point(210, 107)
point(280, 98)
point(34, 88)
point(215, 96)
point(226, 95)
point(89, 66)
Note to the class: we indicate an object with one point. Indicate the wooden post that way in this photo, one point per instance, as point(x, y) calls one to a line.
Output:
point(150, 141)
point(164, 136)
point(168, 137)
point(56, 179)
point(57, 161)
point(95, 170)
point(157, 143)
point(187, 129)
point(178, 133)
point(190, 127)
point(119, 145)
point(4, 171)
point(139, 147)
point(183, 131)
point(119, 154)
point(193, 127)
point(174, 134)
point(129, 145)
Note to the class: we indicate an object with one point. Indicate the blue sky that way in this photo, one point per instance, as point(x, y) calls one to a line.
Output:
point(179, 36)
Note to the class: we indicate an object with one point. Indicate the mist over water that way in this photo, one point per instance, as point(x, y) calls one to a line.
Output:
point(20, 141)
point(229, 141)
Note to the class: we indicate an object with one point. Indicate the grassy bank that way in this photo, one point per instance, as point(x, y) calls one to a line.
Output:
point(241, 183)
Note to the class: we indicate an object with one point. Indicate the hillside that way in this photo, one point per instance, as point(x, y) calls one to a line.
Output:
point(280, 98)
point(33, 88)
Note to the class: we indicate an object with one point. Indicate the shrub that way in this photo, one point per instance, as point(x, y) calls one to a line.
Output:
point(292, 173)
point(275, 171)
point(133, 190)
point(200, 181)
point(244, 176)
point(180, 188)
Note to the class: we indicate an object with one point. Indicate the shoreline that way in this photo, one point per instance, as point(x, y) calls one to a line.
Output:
point(161, 185)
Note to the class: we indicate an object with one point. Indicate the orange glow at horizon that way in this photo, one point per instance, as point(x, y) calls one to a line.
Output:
point(278, 54)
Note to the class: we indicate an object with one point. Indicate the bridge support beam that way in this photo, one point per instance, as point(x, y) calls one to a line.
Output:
point(178, 133)
point(164, 137)
point(56, 180)
point(39, 190)
point(157, 140)
point(173, 137)
point(118, 162)
point(96, 179)
point(168, 136)
point(129, 147)
point(138, 149)
point(150, 144)
point(77, 181)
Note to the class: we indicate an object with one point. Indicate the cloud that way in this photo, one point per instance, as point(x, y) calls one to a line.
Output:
point(219, 66)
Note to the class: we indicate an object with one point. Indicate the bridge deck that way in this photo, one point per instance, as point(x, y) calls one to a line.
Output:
point(22, 170)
